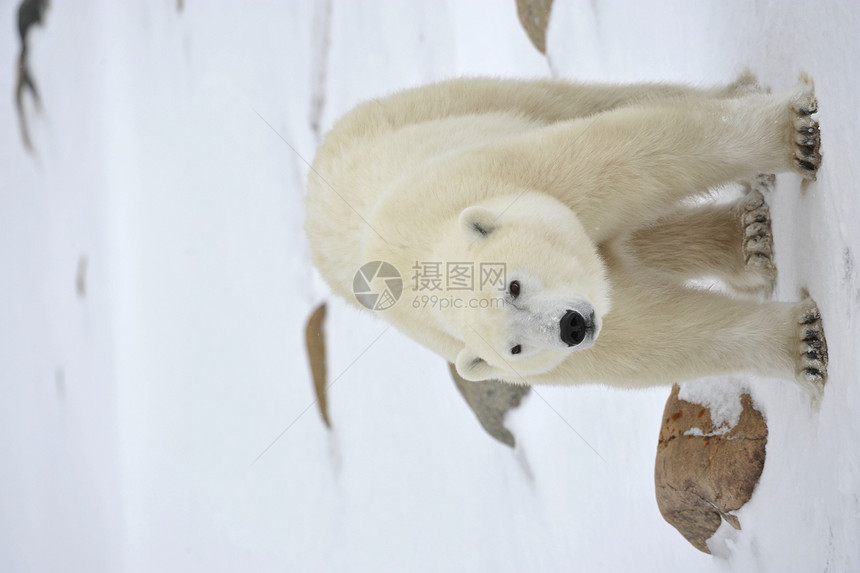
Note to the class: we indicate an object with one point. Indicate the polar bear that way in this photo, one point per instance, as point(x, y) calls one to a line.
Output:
point(577, 197)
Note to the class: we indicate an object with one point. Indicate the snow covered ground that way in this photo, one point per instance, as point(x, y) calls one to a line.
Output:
point(155, 284)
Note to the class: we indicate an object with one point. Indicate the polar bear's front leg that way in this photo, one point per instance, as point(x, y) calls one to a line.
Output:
point(626, 166)
point(662, 334)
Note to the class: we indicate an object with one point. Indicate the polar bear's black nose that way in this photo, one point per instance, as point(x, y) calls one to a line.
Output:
point(573, 328)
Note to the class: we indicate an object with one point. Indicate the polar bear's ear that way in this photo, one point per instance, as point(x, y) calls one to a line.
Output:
point(477, 222)
point(473, 368)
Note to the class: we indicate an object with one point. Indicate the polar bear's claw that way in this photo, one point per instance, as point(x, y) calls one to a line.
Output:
point(807, 136)
point(757, 245)
point(812, 351)
point(809, 108)
point(764, 182)
point(807, 145)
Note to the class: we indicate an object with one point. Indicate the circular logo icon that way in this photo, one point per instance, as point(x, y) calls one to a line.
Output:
point(377, 285)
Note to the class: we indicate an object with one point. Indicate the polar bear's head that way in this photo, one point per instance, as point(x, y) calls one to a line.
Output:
point(554, 295)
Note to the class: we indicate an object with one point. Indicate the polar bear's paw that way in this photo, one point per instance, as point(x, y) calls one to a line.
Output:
point(812, 351)
point(806, 133)
point(759, 269)
point(763, 183)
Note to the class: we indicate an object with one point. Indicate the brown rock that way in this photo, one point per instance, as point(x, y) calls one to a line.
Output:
point(490, 400)
point(702, 479)
point(534, 16)
point(315, 342)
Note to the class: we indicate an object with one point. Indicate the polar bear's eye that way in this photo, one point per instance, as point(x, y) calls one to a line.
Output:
point(516, 349)
point(514, 289)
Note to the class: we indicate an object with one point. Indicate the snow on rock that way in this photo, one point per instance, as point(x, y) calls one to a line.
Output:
point(722, 398)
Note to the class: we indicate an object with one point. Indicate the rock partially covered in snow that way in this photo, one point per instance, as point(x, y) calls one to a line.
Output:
point(534, 16)
point(315, 343)
point(706, 471)
point(491, 400)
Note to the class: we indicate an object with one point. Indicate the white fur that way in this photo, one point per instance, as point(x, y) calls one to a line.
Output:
point(577, 189)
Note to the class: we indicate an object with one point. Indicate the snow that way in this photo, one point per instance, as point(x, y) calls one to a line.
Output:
point(133, 416)
point(724, 404)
